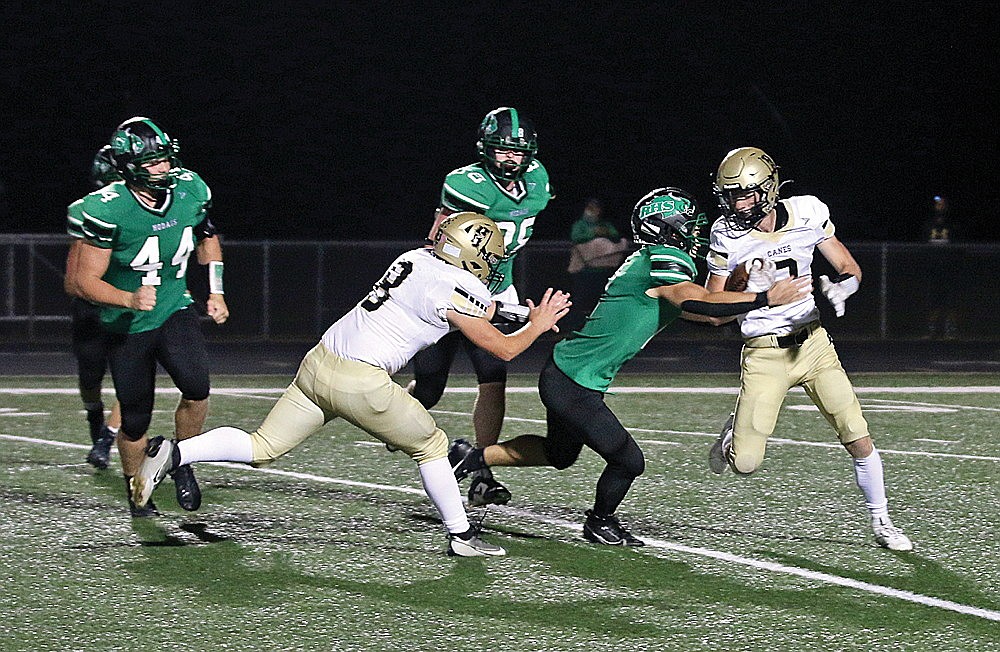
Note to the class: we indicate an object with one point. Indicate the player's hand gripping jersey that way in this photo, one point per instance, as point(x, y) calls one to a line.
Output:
point(406, 311)
point(471, 188)
point(149, 246)
point(593, 355)
point(790, 248)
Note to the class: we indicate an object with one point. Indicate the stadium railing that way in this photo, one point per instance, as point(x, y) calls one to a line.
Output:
point(292, 290)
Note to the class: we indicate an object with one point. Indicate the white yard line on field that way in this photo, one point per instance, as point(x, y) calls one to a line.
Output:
point(772, 440)
point(655, 544)
point(930, 389)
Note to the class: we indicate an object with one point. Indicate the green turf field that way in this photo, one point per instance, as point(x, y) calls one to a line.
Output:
point(336, 548)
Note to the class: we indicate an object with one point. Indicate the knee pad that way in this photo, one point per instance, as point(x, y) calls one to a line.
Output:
point(560, 458)
point(433, 448)
point(633, 461)
point(489, 368)
point(134, 424)
point(428, 388)
point(196, 392)
point(745, 465)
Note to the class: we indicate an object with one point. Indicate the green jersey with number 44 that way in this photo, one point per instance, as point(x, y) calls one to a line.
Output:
point(471, 188)
point(149, 246)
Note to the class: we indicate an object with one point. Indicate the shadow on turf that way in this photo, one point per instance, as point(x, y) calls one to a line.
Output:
point(926, 577)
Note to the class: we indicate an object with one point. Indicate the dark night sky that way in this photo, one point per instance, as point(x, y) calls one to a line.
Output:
point(339, 120)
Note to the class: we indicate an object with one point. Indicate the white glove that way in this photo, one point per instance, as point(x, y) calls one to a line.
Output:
point(837, 292)
point(761, 272)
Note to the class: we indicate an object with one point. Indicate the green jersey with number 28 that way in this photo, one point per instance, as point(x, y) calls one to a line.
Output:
point(470, 188)
point(149, 246)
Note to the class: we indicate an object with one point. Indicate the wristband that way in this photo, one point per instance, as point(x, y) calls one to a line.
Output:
point(215, 268)
point(510, 313)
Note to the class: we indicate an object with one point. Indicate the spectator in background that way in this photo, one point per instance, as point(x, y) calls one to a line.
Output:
point(598, 250)
point(947, 262)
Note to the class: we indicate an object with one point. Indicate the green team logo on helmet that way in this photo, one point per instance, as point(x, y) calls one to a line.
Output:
point(670, 216)
point(668, 205)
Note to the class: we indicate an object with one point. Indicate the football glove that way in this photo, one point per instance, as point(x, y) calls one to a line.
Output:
point(837, 290)
point(761, 274)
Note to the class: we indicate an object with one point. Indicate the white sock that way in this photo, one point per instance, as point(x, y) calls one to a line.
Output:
point(112, 430)
point(442, 489)
point(869, 476)
point(225, 444)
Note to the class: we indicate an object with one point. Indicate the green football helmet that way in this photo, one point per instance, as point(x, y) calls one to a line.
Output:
point(139, 141)
point(505, 128)
point(745, 170)
point(102, 170)
point(670, 216)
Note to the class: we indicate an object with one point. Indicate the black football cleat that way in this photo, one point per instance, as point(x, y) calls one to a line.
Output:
point(487, 491)
point(100, 453)
point(608, 531)
point(462, 458)
point(188, 491)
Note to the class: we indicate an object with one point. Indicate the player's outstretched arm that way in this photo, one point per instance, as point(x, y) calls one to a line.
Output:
point(541, 318)
point(698, 300)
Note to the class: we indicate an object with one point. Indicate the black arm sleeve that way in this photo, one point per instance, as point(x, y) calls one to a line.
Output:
point(724, 309)
point(205, 229)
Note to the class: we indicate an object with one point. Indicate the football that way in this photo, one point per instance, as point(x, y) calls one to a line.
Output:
point(737, 281)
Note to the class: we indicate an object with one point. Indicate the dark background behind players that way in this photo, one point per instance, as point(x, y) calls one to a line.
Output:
point(337, 121)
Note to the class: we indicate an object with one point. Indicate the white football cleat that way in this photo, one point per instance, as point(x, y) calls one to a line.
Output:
point(472, 546)
point(718, 455)
point(889, 536)
point(158, 462)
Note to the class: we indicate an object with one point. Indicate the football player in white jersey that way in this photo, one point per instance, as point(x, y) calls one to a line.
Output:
point(786, 346)
point(424, 295)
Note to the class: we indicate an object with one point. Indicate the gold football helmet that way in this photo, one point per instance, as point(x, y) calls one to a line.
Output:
point(472, 242)
point(745, 170)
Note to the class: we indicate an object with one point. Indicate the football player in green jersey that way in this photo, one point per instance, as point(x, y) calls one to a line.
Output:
point(138, 234)
point(91, 342)
point(645, 295)
point(511, 187)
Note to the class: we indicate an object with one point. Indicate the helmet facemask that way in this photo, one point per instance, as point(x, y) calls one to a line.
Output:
point(505, 129)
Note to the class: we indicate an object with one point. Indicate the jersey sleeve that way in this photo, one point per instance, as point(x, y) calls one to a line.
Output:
point(669, 266)
point(194, 184)
point(816, 215)
point(718, 254)
point(465, 296)
point(74, 220)
point(467, 189)
point(95, 216)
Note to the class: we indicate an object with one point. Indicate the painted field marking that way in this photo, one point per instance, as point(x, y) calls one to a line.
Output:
point(657, 544)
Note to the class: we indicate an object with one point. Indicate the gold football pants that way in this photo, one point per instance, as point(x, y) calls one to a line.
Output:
point(768, 372)
point(327, 387)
